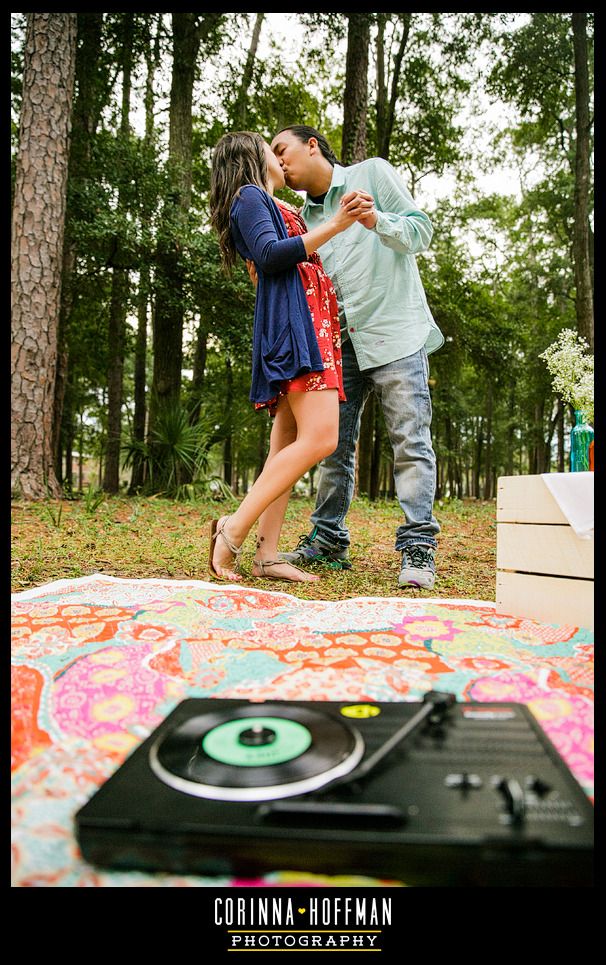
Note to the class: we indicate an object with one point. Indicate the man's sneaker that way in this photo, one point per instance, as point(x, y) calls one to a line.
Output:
point(310, 551)
point(418, 566)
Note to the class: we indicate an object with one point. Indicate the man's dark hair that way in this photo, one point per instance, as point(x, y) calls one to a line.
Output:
point(304, 133)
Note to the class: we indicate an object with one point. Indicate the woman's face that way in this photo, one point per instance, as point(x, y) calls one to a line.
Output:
point(274, 170)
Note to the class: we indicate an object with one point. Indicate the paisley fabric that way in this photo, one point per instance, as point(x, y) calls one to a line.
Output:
point(98, 662)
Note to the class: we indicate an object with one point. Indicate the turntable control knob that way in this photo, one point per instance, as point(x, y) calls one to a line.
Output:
point(540, 788)
point(257, 736)
point(513, 798)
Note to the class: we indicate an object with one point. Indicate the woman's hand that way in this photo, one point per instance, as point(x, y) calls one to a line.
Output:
point(252, 271)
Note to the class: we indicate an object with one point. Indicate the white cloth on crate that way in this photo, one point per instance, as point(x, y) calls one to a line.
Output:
point(573, 492)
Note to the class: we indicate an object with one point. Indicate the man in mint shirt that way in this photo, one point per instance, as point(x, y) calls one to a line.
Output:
point(387, 333)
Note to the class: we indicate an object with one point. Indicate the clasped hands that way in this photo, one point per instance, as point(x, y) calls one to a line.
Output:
point(361, 205)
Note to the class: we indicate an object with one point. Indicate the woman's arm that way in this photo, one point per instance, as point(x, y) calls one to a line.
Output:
point(251, 212)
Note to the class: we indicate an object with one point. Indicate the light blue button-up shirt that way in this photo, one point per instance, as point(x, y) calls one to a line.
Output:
point(382, 303)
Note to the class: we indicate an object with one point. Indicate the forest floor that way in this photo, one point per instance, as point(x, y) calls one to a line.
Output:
point(136, 537)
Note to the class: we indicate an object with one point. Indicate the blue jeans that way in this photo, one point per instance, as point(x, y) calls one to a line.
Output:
point(403, 393)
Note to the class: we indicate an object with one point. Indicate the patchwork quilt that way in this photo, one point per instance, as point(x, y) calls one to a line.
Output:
point(99, 662)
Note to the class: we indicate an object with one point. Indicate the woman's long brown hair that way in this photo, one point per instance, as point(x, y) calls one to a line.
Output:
point(238, 159)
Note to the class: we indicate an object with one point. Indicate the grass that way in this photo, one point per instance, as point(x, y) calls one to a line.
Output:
point(157, 538)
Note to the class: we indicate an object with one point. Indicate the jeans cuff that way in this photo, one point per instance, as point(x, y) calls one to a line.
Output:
point(417, 541)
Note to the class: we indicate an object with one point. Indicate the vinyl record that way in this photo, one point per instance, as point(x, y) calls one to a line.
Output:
point(256, 752)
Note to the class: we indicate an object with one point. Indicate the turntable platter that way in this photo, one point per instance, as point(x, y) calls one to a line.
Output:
point(256, 753)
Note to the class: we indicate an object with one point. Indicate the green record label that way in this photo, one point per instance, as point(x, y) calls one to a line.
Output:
point(279, 739)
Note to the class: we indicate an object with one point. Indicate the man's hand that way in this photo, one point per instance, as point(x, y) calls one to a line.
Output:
point(362, 206)
point(252, 271)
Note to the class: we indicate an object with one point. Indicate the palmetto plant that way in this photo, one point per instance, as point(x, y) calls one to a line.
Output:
point(176, 456)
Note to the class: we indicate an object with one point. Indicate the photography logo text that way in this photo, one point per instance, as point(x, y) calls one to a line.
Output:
point(291, 924)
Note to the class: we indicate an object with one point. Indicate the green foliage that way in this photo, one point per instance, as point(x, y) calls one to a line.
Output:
point(536, 67)
point(498, 274)
point(176, 456)
point(93, 498)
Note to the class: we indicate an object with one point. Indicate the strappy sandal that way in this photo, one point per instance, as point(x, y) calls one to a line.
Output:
point(236, 551)
point(269, 576)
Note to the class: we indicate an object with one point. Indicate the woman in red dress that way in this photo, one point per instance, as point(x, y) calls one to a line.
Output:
point(324, 310)
point(322, 303)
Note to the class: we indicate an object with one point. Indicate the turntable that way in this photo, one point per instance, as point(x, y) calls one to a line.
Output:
point(431, 793)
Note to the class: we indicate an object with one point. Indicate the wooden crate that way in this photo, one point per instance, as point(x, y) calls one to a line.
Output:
point(544, 570)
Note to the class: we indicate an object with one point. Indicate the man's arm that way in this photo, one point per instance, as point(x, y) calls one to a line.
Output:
point(395, 218)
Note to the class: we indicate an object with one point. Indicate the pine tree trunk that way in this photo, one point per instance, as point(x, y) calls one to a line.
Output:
point(68, 434)
point(152, 60)
point(477, 469)
point(241, 103)
point(90, 97)
point(509, 456)
point(37, 247)
point(488, 457)
point(355, 96)
point(168, 328)
point(262, 447)
point(115, 339)
point(582, 260)
point(561, 457)
point(366, 445)
point(386, 109)
point(227, 442)
point(197, 381)
point(119, 296)
point(137, 476)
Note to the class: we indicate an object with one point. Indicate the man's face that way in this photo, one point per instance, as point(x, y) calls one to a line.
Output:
point(296, 158)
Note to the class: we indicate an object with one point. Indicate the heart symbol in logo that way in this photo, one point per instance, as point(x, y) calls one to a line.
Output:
point(301, 911)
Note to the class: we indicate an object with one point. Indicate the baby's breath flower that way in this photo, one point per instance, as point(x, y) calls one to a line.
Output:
point(572, 370)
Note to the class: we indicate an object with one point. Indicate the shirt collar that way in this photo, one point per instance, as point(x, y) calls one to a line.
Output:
point(337, 181)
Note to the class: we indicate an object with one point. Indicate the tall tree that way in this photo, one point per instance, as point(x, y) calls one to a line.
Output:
point(545, 71)
point(92, 81)
point(120, 288)
point(189, 31)
point(37, 246)
point(353, 149)
point(387, 93)
point(355, 95)
point(582, 262)
point(240, 110)
point(152, 62)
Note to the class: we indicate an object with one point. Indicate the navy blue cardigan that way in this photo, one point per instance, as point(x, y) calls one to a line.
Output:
point(284, 339)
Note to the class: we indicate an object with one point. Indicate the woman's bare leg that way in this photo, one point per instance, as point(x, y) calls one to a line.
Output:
point(284, 432)
point(316, 415)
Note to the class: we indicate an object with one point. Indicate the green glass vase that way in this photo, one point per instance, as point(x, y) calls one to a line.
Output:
point(581, 437)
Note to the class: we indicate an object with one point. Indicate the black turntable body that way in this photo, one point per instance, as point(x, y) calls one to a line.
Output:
point(432, 794)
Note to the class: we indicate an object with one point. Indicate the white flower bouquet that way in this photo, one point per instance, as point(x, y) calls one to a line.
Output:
point(571, 366)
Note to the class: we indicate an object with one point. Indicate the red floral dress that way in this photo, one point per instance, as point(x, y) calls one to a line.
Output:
point(325, 315)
